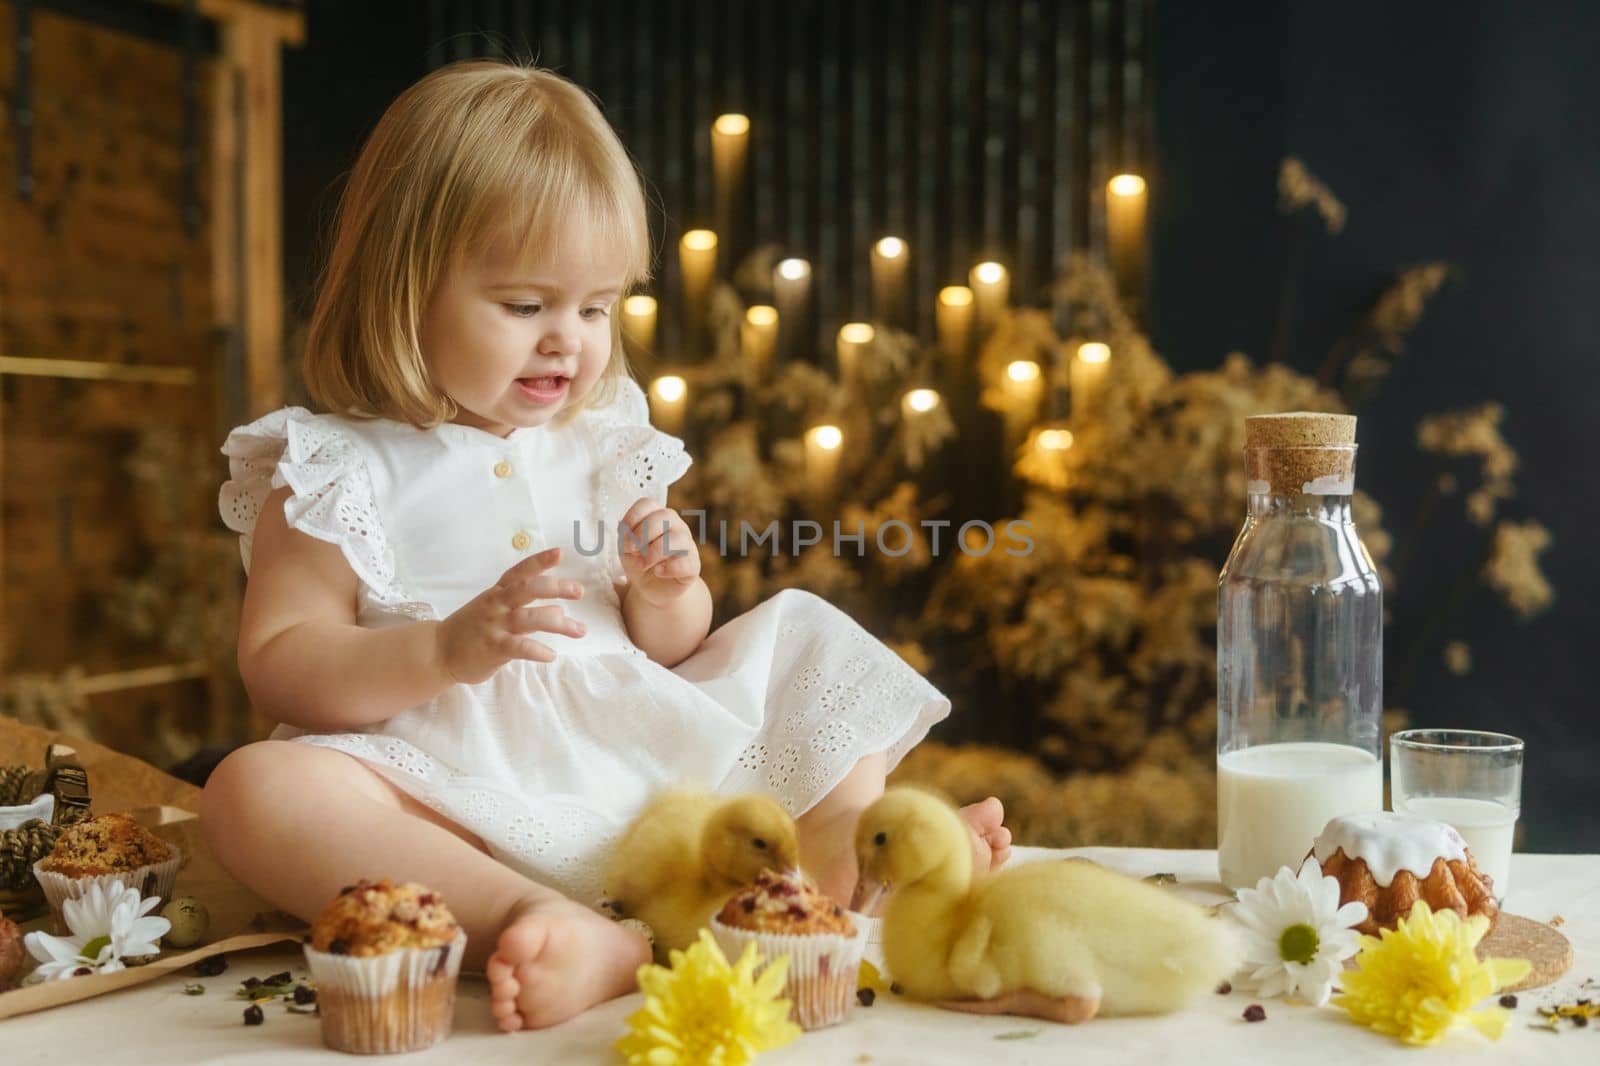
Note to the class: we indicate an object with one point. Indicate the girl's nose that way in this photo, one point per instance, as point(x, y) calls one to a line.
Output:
point(559, 339)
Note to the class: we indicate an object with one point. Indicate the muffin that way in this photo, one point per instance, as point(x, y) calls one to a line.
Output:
point(111, 847)
point(385, 958)
point(783, 914)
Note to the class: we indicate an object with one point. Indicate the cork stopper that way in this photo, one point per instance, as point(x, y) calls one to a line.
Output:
point(1301, 452)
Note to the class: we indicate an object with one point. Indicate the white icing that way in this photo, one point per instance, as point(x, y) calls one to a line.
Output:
point(1390, 843)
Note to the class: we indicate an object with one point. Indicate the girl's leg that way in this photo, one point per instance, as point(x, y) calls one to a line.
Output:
point(296, 823)
point(827, 830)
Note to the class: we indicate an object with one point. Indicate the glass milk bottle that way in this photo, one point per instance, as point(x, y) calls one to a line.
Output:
point(1299, 652)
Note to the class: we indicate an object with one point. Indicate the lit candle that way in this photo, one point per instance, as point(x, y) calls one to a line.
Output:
point(853, 338)
point(919, 402)
point(822, 462)
point(791, 291)
point(1125, 212)
point(1024, 386)
point(668, 398)
point(991, 289)
point(1088, 376)
point(758, 335)
point(697, 255)
point(953, 317)
point(639, 323)
point(1055, 440)
point(889, 258)
point(730, 139)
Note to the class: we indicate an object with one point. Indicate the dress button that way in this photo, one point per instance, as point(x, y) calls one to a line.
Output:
point(521, 542)
point(502, 469)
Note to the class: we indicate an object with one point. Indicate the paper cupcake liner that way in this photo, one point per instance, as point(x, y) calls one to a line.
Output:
point(822, 968)
point(402, 1000)
point(154, 880)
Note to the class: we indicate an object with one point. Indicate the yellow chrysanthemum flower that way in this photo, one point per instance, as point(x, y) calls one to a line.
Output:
point(1422, 979)
point(703, 1012)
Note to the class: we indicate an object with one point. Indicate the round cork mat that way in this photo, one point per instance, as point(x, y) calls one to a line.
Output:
point(1516, 937)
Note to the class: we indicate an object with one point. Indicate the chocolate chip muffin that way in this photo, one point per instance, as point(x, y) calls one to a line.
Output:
point(385, 958)
point(106, 848)
point(786, 915)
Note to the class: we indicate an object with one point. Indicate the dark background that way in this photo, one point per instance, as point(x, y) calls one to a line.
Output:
point(1451, 132)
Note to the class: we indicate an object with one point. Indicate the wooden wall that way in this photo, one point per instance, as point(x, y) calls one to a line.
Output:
point(107, 486)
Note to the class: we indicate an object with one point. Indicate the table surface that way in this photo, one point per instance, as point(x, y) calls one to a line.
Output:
point(157, 1024)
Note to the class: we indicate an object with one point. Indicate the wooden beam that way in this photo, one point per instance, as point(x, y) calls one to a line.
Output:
point(90, 370)
point(287, 24)
point(251, 43)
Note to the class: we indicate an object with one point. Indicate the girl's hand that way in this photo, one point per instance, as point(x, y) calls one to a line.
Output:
point(648, 534)
point(489, 631)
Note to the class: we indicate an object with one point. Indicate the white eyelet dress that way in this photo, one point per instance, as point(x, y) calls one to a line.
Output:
point(547, 762)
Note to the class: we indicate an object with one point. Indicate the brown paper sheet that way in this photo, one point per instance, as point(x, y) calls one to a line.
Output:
point(240, 920)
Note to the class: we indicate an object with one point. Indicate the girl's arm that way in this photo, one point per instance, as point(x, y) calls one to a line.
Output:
point(303, 659)
point(307, 663)
point(668, 627)
point(666, 605)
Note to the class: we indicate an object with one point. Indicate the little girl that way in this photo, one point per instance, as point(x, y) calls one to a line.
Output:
point(470, 695)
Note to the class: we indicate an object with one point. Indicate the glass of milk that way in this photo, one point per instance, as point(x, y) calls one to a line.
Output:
point(1468, 779)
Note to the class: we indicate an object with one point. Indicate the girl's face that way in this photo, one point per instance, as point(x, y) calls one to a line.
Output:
point(512, 343)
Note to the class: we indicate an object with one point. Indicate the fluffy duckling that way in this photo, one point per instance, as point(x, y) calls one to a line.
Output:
point(687, 852)
point(1056, 940)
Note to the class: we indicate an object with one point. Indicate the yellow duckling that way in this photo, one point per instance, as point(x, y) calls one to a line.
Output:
point(687, 852)
point(1056, 940)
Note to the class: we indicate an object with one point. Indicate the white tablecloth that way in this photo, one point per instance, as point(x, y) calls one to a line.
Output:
point(157, 1024)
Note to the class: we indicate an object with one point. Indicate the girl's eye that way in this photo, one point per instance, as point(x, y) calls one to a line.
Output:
point(592, 313)
point(523, 310)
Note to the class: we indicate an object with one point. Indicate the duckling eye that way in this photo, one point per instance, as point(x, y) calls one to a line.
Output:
point(761, 845)
point(881, 839)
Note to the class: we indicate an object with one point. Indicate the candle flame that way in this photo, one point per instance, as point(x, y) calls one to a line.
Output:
point(955, 296)
point(669, 389)
point(922, 400)
point(639, 305)
point(732, 125)
point(891, 247)
point(1055, 440)
point(857, 333)
point(1094, 352)
point(1126, 185)
point(700, 240)
point(1023, 370)
point(826, 437)
point(989, 272)
point(761, 315)
point(794, 269)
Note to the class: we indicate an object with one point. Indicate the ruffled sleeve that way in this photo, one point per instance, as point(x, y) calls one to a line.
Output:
point(332, 500)
point(636, 459)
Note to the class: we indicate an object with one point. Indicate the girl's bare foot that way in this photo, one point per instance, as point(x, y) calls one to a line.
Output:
point(991, 841)
point(556, 959)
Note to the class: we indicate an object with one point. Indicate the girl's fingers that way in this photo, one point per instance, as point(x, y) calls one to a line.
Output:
point(535, 564)
point(548, 619)
point(641, 508)
point(673, 543)
point(540, 587)
point(527, 648)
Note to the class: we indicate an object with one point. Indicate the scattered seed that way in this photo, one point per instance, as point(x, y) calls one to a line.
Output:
point(253, 1015)
point(194, 990)
point(278, 979)
point(1508, 1001)
point(1580, 1020)
point(252, 982)
point(865, 996)
point(1558, 921)
point(894, 986)
point(1255, 1012)
point(1225, 988)
point(304, 995)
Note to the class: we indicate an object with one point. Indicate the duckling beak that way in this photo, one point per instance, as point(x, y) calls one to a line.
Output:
point(868, 897)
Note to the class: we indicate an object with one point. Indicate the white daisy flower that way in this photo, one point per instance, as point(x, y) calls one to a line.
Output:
point(1296, 934)
point(108, 924)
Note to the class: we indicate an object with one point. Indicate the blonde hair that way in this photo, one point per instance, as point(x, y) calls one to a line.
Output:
point(473, 152)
